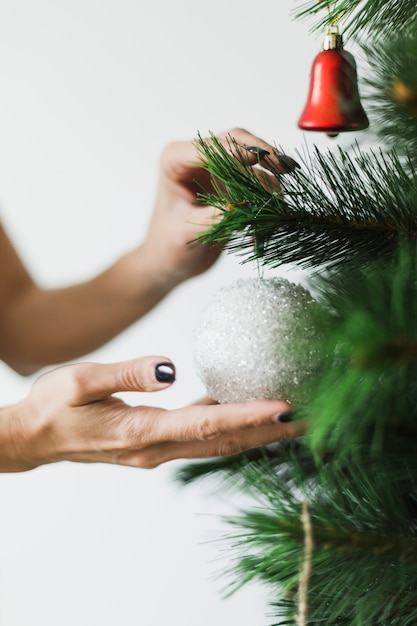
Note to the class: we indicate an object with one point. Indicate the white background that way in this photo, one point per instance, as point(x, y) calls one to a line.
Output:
point(90, 92)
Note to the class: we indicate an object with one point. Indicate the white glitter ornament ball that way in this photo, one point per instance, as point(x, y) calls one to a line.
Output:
point(256, 340)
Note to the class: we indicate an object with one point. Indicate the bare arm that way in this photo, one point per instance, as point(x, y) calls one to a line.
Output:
point(40, 327)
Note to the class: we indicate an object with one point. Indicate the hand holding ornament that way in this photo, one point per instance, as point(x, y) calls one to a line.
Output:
point(72, 414)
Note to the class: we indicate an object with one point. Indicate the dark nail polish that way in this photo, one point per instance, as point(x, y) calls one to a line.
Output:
point(287, 163)
point(285, 417)
point(261, 152)
point(165, 373)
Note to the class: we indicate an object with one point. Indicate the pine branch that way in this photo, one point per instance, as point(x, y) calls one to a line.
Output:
point(365, 550)
point(232, 465)
point(227, 468)
point(368, 390)
point(335, 210)
point(359, 17)
point(391, 94)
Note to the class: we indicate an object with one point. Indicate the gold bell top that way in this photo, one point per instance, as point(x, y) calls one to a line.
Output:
point(332, 39)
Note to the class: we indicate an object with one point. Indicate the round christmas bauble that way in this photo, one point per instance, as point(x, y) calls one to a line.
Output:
point(256, 340)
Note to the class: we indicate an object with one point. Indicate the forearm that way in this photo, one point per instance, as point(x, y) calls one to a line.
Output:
point(44, 327)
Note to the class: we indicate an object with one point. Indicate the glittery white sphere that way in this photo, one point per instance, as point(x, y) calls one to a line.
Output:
point(256, 340)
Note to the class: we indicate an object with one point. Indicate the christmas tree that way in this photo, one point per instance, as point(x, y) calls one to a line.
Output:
point(333, 528)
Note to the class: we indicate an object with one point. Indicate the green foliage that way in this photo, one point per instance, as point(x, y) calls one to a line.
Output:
point(230, 468)
point(333, 528)
point(363, 531)
point(359, 17)
point(336, 210)
point(368, 393)
point(391, 95)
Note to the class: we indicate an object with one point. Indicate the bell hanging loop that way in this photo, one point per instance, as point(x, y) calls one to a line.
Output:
point(333, 103)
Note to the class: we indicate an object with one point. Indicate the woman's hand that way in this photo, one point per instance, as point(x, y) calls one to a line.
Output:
point(177, 219)
point(72, 414)
point(41, 327)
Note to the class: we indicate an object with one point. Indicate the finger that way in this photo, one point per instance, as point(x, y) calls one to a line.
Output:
point(251, 149)
point(185, 152)
point(180, 155)
point(89, 382)
point(267, 179)
point(227, 445)
point(201, 217)
point(207, 422)
point(255, 148)
point(205, 401)
point(258, 151)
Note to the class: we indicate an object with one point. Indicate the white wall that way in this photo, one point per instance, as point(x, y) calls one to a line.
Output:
point(90, 92)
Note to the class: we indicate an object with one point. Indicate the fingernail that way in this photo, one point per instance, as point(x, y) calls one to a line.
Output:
point(284, 417)
point(261, 152)
point(287, 163)
point(165, 373)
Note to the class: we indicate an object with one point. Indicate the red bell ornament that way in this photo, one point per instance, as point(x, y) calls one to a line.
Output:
point(333, 103)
